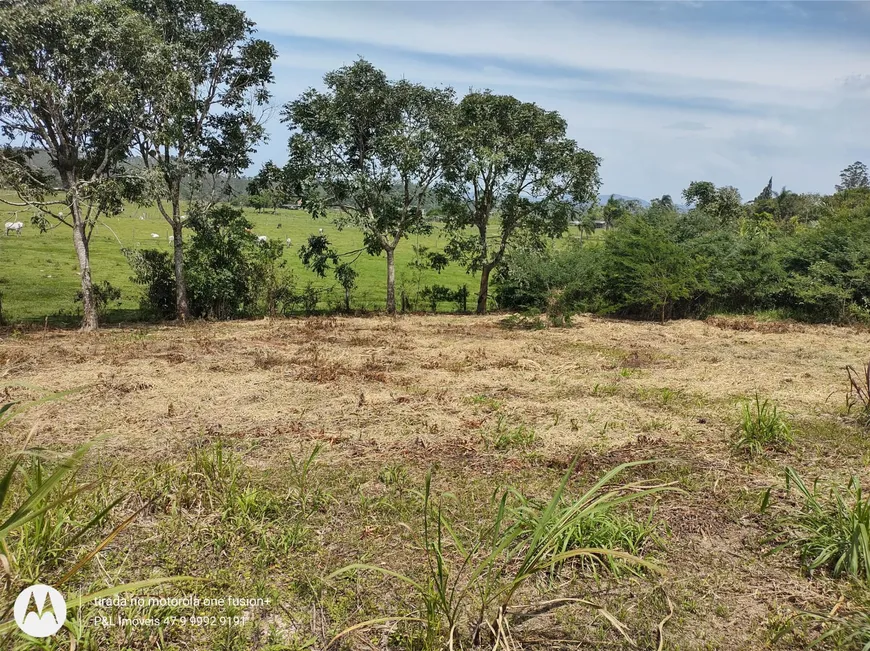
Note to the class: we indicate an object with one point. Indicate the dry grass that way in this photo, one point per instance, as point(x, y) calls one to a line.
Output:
point(436, 390)
point(415, 373)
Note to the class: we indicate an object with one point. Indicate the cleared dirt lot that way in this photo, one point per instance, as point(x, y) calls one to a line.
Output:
point(486, 406)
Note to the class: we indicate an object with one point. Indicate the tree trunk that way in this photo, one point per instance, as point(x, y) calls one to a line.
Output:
point(391, 281)
point(182, 309)
point(483, 292)
point(89, 300)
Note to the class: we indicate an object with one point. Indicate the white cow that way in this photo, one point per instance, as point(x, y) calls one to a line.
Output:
point(172, 239)
point(154, 236)
point(14, 226)
point(289, 242)
point(321, 231)
point(262, 238)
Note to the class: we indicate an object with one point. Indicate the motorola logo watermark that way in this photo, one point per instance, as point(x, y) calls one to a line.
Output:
point(40, 610)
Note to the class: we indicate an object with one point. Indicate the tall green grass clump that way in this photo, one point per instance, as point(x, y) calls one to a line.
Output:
point(831, 531)
point(472, 578)
point(51, 525)
point(762, 428)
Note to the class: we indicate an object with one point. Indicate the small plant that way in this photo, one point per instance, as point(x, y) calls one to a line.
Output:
point(523, 322)
point(604, 529)
point(460, 296)
point(519, 437)
point(487, 402)
point(395, 475)
point(859, 392)
point(762, 428)
point(309, 298)
point(305, 491)
point(852, 631)
point(830, 532)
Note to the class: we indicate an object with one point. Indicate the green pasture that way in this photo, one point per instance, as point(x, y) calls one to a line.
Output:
point(39, 273)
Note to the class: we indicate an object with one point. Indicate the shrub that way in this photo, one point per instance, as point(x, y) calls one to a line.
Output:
point(828, 267)
point(434, 294)
point(104, 294)
point(525, 278)
point(272, 285)
point(557, 311)
point(153, 270)
point(309, 298)
point(220, 263)
point(762, 428)
point(646, 272)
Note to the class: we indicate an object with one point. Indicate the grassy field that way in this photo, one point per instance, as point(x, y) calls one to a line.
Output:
point(264, 456)
point(39, 272)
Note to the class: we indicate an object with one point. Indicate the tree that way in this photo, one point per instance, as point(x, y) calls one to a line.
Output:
point(783, 209)
point(666, 203)
point(853, 177)
point(371, 149)
point(586, 222)
point(258, 202)
point(74, 83)
point(647, 271)
point(205, 121)
point(267, 186)
point(767, 193)
point(724, 203)
point(615, 210)
point(512, 161)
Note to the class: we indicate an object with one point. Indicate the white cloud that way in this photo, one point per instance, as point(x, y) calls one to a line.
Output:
point(557, 34)
point(784, 105)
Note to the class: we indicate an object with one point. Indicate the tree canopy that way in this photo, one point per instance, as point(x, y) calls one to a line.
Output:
point(371, 149)
point(854, 177)
point(75, 81)
point(206, 118)
point(513, 161)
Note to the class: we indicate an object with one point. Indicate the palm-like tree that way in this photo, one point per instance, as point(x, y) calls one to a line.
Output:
point(586, 225)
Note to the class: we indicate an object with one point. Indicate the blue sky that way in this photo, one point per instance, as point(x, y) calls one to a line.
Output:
point(664, 92)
